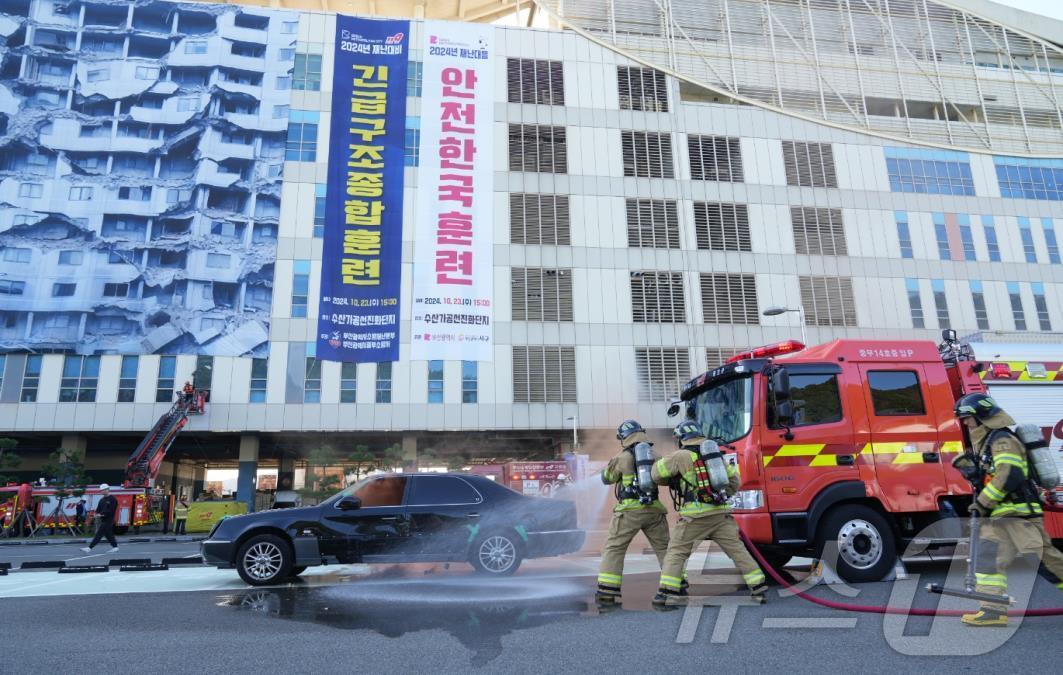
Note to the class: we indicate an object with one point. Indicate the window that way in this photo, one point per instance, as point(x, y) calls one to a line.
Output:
point(1030, 179)
point(809, 164)
point(414, 78)
point(98, 75)
point(147, 73)
point(218, 261)
point(539, 219)
point(8, 287)
point(941, 304)
point(1017, 313)
point(127, 382)
point(722, 226)
point(31, 378)
point(203, 375)
point(300, 288)
point(136, 194)
point(312, 378)
point(1027, 240)
point(196, 47)
point(80, 375)
point(384, 491)
point(1050, 240)
point(306, 75)
point(652, 223)
point(281, 112)
point(539, 148)
point(715, 158)
point(348, 382)
point(729, 298)
point(535, 81)
point(828, 301)
point(942, 234)
point(904, 234)
point(187, 103)
point(991, 238)
point(818, 231)
point(383, 382)
point(435, 381)
point(31, 190)
point(259, 374)
point(320, 192)
point(895, 392)
point(115, 290)
point(657, 297)
point(1041, 305)
point(981, 315)
point(469, 382)
point(164, 387)
point(63, 290)
point(966, 237)
point(411, 151)
point(443, 491)
point(17, 255)
point(647, 154)
point(915, 303)
point(642, 89)
point(284, 82)
point(80, 194)
point(816, 400)
point(717, 356)
point(662, 371)
point(544, 374)
point(301, 145)
point(70, 257)
point(935, 172)
point(289, 27)
point(541, 294)
point(3, 367)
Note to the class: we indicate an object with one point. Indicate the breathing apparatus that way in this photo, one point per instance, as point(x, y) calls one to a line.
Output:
point(711, 481)
point(642, 488)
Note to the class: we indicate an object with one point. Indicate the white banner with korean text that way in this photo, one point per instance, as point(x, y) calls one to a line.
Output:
point(453, 271)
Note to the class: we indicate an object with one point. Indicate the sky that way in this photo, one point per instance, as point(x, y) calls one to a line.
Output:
point(1052, 8)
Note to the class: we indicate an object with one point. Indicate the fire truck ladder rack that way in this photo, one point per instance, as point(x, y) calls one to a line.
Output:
point(143, 464)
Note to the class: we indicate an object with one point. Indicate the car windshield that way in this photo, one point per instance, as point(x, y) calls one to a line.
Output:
point(350, 490)
point(725, 410)
point(375, 491)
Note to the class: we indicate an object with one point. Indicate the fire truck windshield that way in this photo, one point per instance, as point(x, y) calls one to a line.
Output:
point(725, 410)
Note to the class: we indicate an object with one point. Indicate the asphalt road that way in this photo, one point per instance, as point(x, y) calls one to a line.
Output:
point(406, 619)
point(73, 555)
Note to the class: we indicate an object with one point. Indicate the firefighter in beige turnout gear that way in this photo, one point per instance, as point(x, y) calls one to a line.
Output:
point(704, 514)
point(634, 512)
point(1016, 523)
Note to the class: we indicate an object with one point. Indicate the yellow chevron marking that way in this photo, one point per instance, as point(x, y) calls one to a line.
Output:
point(867, 450)
point(889, 448)
point(767, 459)
point(824, 460)
point(800, 450)
point(908, 458)
point(952, 447)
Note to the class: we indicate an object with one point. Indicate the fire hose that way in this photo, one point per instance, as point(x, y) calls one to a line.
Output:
point(876, 609)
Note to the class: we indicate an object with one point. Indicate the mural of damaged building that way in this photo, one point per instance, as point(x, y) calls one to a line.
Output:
point(141, 151)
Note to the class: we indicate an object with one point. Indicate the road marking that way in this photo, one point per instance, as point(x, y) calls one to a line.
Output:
point(809, 623)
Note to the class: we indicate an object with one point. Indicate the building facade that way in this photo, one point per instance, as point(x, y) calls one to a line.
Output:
point(642, 225)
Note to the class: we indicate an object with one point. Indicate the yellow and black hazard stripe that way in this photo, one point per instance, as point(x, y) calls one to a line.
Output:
point(1020, 373)
point(827, 454)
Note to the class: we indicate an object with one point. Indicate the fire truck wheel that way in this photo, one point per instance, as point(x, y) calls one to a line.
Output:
point(265, 559)
point(496, 554)
point(866, 549)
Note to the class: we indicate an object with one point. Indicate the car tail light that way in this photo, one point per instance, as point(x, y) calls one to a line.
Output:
point(1001, 370)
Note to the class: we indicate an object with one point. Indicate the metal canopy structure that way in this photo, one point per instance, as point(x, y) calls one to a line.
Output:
point(920, 71)
point(453, 10)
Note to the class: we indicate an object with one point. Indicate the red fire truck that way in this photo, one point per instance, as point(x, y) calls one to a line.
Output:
point(852, 441)
point(535, 479)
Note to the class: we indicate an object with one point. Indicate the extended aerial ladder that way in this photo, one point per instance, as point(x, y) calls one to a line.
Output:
point(143, 465)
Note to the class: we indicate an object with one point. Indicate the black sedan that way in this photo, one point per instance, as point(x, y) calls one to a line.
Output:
point(393, 518)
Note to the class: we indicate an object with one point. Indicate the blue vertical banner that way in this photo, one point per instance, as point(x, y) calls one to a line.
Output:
point(361, 271)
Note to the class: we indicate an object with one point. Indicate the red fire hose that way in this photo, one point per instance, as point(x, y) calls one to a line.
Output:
point(877, 609)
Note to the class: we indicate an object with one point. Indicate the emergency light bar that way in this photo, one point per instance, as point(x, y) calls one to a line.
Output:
point(775, 349)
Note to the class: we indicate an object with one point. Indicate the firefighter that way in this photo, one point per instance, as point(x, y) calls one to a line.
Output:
point(180, 516)
point(189, 394)
point(636, 510)
point(704, 513)
point(1009, 498)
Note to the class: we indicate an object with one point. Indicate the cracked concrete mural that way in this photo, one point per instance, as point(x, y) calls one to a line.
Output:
point(141, 150)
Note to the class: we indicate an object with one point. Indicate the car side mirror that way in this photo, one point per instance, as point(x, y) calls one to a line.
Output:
point(674, 407)
point(780, 384)
point(349, 504)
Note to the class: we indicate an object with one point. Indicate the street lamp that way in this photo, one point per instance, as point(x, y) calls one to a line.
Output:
point(776, 311)
point(575, 431)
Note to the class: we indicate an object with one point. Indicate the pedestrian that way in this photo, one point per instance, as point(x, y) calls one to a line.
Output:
point(79, 515)
point(637, 510)
point(703, 514)
point(1016, 525)
point(180, 516)
point(106, 509)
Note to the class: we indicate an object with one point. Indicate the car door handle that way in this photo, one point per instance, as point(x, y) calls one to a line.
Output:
point(472, 515)
point(931, 457)
point(845, 460)
point(389, 517)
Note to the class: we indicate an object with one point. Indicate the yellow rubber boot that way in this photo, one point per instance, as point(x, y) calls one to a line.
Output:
point(988, 618)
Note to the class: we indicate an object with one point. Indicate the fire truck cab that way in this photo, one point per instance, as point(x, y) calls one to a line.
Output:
point(849, 442)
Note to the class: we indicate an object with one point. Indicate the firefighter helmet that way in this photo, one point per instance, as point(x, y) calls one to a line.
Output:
point(688, 430)
point(627, 429)
point(979, 406)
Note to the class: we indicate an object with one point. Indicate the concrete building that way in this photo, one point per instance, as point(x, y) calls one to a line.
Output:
point(881, 171)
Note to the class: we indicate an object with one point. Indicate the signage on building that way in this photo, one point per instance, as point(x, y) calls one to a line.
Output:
point(453, 271)
point(361, 267)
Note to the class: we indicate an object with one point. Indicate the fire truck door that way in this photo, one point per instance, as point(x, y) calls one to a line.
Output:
point(903, 443)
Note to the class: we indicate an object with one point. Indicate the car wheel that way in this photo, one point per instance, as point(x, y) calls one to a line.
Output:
point(865, 542)
point(265, 559)
point(297, 570)
point(496, 554)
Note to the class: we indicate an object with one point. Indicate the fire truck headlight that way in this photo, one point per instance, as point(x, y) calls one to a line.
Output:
point(747, 500)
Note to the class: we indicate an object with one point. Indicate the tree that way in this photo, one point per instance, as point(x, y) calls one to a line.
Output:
point(9, 461)
point(366, 461)
point(319, 483)
point(66, 472)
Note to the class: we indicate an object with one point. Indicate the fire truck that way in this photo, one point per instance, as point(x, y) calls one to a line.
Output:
point(851, 442)
point(138, 500)
point(535, 479)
